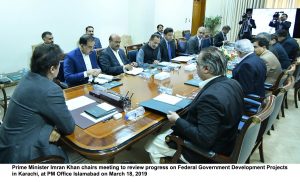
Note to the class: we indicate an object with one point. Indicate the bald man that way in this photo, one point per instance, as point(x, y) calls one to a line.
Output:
point(198, 42)
point(113, 60)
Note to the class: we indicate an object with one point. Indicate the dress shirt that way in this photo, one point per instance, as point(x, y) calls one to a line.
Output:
point(116, 53)
point(203, 83)
point(88, 64)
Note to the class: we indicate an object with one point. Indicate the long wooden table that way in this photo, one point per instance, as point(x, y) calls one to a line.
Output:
point(105, 139)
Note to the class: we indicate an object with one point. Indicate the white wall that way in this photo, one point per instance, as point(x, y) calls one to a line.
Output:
point(23, 21)
point(174, 13)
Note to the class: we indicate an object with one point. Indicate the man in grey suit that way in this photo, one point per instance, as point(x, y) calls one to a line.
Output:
point(37, 113)
point(198, 42)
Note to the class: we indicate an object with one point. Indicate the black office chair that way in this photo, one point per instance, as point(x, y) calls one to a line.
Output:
point(181, 47)
point(132, 55)
point(60, 79)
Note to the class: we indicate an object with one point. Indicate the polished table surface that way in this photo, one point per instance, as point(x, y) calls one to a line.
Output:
point(104, 139)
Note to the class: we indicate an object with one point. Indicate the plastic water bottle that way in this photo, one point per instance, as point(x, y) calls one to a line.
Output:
point(134, 114)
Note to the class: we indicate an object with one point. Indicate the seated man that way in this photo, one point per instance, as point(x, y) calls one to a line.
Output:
point(90, 31)
point(167, 45)
point(150, 52)
point(273, 65)
point(251, 71)
point(282, 55)
point(198, 42)
point(37, 114)
point(47, 37)
point(211, 121)
point(289, 44)
point(220, 39)
point(81, 63)
point(113, 60)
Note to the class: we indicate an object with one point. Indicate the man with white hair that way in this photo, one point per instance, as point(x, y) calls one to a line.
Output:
point(251, 70)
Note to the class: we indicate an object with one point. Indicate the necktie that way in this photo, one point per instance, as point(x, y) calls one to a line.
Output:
point(169, 50)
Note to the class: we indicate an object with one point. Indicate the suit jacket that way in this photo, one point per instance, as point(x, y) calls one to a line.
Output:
point(218, 39)
point(248, 34)
point(97, 43)
point(74, 67)
point(282, 55)
point(110, 64)
point(212, 119)
point(164, 50)
point(193, 44)
point(251, 74)
point(273, 66)
point(36, 107)
point(291, 47)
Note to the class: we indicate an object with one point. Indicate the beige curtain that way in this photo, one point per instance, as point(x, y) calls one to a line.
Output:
point(282, 3)
point(232, 11)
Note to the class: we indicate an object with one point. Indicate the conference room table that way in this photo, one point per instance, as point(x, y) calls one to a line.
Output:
point(104, 140)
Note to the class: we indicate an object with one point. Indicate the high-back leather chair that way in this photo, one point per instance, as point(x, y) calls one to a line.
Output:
point(244, 144)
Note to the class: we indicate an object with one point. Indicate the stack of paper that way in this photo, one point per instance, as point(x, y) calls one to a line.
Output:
point(135, 71)
point(190, 67)
point(183, 58)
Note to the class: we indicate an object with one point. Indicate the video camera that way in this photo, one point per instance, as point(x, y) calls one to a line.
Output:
point(276, 15)
point(244, 16)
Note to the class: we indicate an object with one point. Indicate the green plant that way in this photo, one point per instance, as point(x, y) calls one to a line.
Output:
point(212, 23)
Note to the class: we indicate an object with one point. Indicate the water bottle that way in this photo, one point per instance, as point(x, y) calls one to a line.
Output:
point(134, 114)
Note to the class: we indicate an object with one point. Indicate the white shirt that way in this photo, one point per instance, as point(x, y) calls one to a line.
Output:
point(116, 53)
point(203, 83)
point(88, 64)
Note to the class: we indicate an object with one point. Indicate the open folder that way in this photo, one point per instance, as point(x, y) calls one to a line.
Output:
point(158, 104)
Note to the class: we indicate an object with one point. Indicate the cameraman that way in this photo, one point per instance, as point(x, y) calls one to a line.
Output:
point(280, 24)
point(247, 24)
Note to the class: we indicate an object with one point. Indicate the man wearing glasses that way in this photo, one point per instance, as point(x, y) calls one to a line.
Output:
point(80, 65)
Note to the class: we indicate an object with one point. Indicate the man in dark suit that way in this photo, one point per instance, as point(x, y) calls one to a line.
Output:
point(289, 44)
point(220, 39)
point(37, 113)
point(167, 45)
point(160, 30)
point(283, 24)
point(198, 42)
point(80, 65)
point(282, 55)
point(251, 71)
point(90, 31)
point(211, 121)
point(247, 24)
point(113, 60)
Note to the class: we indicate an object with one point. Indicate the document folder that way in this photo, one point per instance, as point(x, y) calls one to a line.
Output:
point(97, 112)
point(193, 82)
point(112, 84)
point(165, 107)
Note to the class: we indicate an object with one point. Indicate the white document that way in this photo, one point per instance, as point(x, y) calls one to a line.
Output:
point(183, 58)
point(169, 99)
point(135, 71)
point(107, 77)
point(78, 102)
point(162, 75)
point(190, 67)
point(98, 119)
point(105, 106)
point(100, 80)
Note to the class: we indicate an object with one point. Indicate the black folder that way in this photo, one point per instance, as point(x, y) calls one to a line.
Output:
point(193, 82)
point(97, 112)
point(165, 107)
